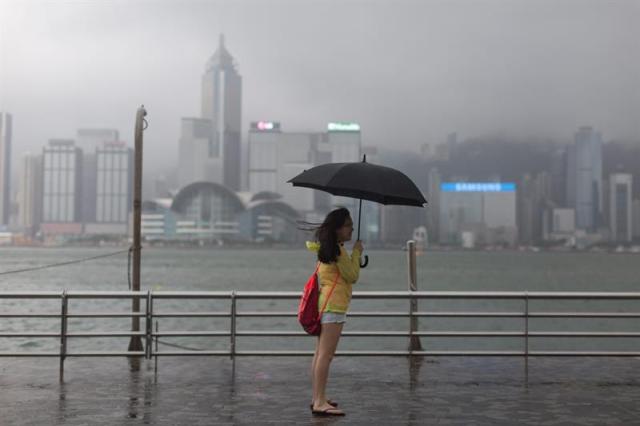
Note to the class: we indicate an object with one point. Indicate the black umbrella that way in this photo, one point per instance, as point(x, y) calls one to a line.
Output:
point(363, 181)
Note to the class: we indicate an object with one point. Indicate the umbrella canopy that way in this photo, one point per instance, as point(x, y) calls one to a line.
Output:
point(363, 181)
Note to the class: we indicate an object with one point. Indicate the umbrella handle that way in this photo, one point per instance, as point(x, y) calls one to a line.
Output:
point(366, 262)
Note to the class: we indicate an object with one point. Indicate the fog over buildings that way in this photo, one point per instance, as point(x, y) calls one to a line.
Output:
point(409, 72)
point(517, 119)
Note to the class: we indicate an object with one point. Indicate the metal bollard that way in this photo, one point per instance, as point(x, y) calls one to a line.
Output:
point(414, 341)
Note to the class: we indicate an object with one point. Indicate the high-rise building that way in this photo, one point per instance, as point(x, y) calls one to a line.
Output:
point(485, 212)
point(345, 143)
point(620, 207)
point(571, 175)
point(559, 178)
point(114, 182)
point(198, 160)
point(89, 140)
point(276, 156)
point(370, 225)
point(265, 139)
point(584, 178)
point(433, 208)
point(534, 195)
point(526, 210)
point(222, 106)
point(62, 184)
point(5, 168)
point(30, 193)
point(635, 212)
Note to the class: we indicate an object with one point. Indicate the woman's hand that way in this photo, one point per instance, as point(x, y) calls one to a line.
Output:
point(358, 246)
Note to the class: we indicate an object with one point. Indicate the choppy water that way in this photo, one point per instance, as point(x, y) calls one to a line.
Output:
point(287, 270)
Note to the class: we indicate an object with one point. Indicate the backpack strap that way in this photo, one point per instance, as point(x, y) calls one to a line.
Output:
point(335, 282)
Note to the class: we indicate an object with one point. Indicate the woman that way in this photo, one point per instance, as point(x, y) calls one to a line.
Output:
point(336, 266)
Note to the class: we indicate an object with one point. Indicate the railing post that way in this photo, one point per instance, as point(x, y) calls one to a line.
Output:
point(155, 365)
point(526, 333)
point(414, 341)
point(149, 326)
point(233, 324)
point(63, 333)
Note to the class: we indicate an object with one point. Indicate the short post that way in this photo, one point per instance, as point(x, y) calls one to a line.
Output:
point(414, 341)
point(63, 333)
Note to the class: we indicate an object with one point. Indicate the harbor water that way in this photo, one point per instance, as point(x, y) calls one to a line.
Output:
point(169, 269)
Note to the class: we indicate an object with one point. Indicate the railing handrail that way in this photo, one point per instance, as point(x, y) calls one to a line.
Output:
point(233, 297)
point(356, 294)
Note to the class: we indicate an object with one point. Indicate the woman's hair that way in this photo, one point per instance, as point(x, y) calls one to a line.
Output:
point(326, 234)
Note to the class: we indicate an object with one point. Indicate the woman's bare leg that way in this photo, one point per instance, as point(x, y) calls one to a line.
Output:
point(327, 344)
point(313, 369)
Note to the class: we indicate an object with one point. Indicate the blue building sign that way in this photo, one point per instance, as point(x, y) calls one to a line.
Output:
point(477, 187)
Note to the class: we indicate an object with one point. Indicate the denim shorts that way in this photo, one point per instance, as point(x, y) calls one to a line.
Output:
point(333, 317)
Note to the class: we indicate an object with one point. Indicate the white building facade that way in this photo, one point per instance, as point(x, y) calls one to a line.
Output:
point(276, 156)
point(265, 139)
point(114, 182)
point(30, 193)
point(62, 171)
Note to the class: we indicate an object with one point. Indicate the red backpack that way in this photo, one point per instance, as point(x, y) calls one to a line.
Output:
point(308, 314)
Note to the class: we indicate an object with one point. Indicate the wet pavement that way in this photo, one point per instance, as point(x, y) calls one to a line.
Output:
point(274, 390)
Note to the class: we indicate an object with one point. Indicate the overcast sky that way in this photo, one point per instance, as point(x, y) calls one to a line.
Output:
point(408, 71)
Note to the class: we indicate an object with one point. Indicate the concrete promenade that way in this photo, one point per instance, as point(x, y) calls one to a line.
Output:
point(275, 391)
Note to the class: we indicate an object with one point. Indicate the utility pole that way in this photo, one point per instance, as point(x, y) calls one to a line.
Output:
point(135, 344)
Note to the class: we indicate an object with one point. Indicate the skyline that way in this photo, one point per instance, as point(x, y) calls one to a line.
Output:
point(495, 72)
point(554, 180)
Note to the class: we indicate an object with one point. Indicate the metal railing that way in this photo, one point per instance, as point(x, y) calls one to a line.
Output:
point(150, 336)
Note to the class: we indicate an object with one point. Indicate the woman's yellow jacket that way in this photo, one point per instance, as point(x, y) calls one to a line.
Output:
point(349, 267)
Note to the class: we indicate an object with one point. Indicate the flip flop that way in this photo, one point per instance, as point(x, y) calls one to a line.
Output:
point(330, 402)
point(328, 412)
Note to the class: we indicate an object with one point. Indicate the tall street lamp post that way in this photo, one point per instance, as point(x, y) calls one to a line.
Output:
point(135, 344)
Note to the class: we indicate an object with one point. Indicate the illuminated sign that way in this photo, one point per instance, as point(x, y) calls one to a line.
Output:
point(343, 127)
point(265, 126)
point(477, 187)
